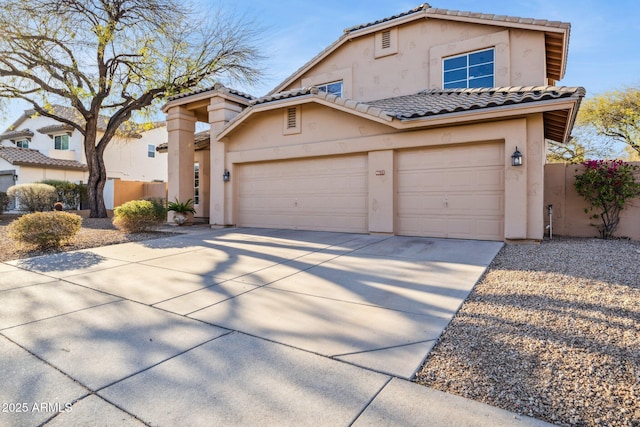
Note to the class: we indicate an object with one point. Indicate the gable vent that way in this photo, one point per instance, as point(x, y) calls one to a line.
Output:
point(291, 118)
point(386, 39)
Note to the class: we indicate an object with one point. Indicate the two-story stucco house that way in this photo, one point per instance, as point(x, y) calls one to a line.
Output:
point(428, 123)
point(36, 147)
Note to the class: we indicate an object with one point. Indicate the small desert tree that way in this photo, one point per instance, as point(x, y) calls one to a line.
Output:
point(606, 185)
point(115, 58)
point(614, 115)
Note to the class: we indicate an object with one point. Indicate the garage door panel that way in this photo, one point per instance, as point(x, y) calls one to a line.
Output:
point(313, 194)
point(418, 203)
point(455, 192)
point(480, 203)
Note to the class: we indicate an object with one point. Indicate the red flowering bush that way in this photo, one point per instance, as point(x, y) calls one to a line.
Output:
point(607, 185)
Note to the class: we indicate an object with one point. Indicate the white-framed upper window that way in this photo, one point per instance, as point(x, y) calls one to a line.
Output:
point(469, 70)
point(334, 88)
point(22, 143)
point(151, 150)
point(61, 142)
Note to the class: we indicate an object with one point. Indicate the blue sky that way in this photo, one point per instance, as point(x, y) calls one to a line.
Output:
point(604, 48)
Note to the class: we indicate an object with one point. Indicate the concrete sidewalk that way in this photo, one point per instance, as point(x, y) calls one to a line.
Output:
point(237, 327)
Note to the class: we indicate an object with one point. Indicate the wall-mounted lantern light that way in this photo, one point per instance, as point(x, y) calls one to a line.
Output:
point(516, 158)
point(226, 176)
point(15, 178)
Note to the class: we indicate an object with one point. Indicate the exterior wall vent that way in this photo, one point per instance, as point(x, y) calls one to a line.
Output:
point(386, 42)
point(291, 120)
point(386, 39)
point(292, 117)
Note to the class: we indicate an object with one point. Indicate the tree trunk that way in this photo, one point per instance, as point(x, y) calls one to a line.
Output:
point(97, 173)
point(97, 180)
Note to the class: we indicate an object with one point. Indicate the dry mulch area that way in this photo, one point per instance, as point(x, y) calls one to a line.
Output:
point(94, 232)
point(551, 331)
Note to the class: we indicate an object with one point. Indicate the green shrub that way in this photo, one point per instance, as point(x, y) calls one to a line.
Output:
point(138, 216)
point(606, 185)
point(69, 194)
point(45, 229)
point(35, 197)
point(4, 202)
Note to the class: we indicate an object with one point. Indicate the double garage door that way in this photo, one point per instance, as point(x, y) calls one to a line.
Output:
point(328, 194)
point(453, 192)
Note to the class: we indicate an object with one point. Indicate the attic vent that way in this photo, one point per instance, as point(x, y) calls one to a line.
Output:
point(386, 39)
point(291, 117)
point(291, 123)
point(386, 42)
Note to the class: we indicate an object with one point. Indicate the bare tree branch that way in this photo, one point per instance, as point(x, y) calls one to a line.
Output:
point(115, 58)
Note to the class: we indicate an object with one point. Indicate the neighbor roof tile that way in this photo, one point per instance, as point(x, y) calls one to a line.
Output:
point(29, 157)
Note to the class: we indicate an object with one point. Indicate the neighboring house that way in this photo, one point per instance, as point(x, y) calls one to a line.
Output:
point(407, 125)
point(35, 148)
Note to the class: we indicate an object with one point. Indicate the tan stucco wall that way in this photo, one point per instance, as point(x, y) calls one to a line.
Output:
point(523, 214)
point(382, 194)
point(569, 218)
point(520, 59)
point(27, 174)
point(318, 123)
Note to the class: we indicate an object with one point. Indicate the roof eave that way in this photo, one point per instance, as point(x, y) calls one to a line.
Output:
point(254, 109)
point(486, 114)
point(348, 106)
point(82, 168)
point(203, 96)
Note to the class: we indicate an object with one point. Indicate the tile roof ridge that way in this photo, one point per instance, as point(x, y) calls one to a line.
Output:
point(502, 89)
point(420, 8)
point(217, 87)
point(292, 93)
point(498, 18)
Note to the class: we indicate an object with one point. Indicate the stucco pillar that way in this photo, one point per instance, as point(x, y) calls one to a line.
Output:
point(181, 125)
point(381, 191)
point(515, 186)
point(536, 153)
point(221, 111)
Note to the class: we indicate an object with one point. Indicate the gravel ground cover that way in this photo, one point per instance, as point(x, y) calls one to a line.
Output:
point(95, 232)
point(551, 331)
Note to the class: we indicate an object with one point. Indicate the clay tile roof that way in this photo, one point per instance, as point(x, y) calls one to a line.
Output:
point(71, 114)
point(442, 101)
point(29, 157)
point(497, 18)
point(55, 128)
point(201, 141)
point(420, 8)
point(285, 95)
point(218, 87)
point(24, 133)
point(428, 10)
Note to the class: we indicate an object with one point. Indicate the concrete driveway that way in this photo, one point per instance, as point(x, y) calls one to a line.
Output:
point(236, 327)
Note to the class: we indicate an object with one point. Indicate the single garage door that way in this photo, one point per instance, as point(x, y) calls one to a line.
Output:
point(312, 194)
point(454, 192)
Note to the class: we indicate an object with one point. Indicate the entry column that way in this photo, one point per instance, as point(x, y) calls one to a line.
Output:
point(181, 126)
